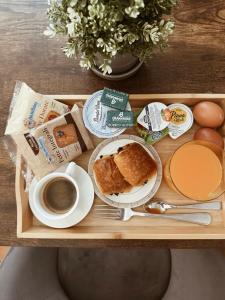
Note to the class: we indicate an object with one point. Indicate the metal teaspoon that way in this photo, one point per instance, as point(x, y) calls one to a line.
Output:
point(159, 206)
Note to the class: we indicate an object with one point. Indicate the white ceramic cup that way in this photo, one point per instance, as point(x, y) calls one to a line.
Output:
point(69, 174)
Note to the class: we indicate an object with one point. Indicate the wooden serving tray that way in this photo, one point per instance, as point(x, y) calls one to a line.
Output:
point(137, 228)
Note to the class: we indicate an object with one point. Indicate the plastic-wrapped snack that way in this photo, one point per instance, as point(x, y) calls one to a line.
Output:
point(54, 143)
point(151, 137)
point(30, 109)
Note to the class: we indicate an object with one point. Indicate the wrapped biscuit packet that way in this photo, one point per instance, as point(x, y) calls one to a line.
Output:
point(54, 143)
point(30, 109)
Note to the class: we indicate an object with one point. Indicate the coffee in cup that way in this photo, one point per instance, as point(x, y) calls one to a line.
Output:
point(59, 195)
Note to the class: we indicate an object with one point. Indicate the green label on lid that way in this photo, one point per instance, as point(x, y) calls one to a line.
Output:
point(114, 99)
point(120, 119)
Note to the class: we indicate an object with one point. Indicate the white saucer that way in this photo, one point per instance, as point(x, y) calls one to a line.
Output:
point(138, 195)
point(87, 198)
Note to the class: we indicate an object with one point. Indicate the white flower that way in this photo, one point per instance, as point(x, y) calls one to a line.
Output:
point(166, 29)
point(100, 43)
point(133, 11)
point(70, 50)
point(50, 31)
point(70, 28)
point(151, 32)
point(139, 3)
point(169, 26)
point(107, 47)
point(73, 3)
point(155, 35)
point(73, 15)
point(85, 62)
point(105, 67)
point(118, 37)
point(107, 70)
point(131, 38)
point(161, 23)
point(96, 10)
point(113, 51)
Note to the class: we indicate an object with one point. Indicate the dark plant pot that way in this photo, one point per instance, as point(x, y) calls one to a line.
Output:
point(123, 66)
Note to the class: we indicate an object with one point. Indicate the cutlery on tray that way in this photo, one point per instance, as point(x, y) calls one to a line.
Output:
point(124, 214)
point(159, 206)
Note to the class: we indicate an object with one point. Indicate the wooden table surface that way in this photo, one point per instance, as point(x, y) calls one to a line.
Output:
point(194, 63)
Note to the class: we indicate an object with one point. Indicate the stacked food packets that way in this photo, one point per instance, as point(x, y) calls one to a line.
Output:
point(47, 133)
point(157, 120)
point(107, 113)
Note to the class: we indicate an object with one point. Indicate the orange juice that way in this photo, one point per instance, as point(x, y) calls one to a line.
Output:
point(196, 171)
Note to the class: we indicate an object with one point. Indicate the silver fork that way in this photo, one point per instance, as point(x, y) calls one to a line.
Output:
point(124, 214)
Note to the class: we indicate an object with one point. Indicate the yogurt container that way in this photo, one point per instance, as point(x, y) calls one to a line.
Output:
point(154, 117)
point(95, 114)
point(181, 120)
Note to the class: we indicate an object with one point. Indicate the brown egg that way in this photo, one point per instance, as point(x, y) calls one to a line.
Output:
point(210, 135)
point(208, 114)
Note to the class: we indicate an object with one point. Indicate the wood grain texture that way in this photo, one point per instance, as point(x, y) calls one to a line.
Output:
point(194, 63)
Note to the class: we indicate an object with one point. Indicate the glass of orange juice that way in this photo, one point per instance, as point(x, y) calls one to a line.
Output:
point(196, 170)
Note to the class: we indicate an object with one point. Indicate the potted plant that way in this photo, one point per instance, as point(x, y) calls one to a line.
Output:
point(112, 37)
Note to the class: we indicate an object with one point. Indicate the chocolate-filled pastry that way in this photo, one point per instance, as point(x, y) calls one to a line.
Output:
point(108, 176)
point(135, 164)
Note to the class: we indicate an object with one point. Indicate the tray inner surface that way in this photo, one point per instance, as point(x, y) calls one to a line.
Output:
point(136, 228)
